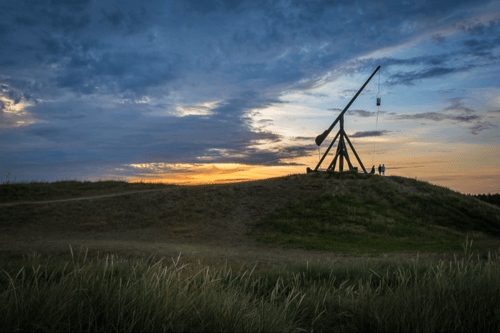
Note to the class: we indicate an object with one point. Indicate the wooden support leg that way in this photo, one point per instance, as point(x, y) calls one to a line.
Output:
point(341, 156)
point(355, 154)
point(334, 162)
point(324, 155)
point(346, 154)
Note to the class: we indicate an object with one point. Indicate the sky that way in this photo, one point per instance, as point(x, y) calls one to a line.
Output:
point(195, 92)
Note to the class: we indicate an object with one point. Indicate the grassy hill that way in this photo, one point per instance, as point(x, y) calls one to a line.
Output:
point(349, 213)
point(373, 214)
point(342, 212)
point(35, 191)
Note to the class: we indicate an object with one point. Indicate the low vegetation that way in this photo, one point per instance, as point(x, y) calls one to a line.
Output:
point(66, 189)
point(350, 213)
point(376, 215)
point(493, 199)
point(113, 294)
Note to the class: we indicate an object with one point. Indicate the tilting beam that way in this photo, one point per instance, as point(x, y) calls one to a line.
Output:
point(320, 138)
point(341, 147)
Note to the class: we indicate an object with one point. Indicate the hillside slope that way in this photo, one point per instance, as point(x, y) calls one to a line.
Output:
point(343, 213)
point(380, 214)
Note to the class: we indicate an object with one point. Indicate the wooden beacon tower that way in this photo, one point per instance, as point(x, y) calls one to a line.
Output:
point(342, 136)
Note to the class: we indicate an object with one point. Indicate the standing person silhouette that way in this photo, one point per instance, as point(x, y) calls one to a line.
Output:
point(383, 169)
point(379, 169)
point(373, 170)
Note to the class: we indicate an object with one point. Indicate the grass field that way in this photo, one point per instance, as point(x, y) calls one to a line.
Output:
point(33, 191)
point(116, 295)
point(379, 216)
point(349, 213)
point(367, 217)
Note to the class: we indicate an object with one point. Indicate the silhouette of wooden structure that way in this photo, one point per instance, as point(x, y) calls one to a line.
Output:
point(343, 138)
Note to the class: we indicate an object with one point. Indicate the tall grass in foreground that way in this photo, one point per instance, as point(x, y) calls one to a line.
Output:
point(113, 294)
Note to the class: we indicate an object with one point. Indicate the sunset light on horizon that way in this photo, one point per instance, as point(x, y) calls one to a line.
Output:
point(212, 92)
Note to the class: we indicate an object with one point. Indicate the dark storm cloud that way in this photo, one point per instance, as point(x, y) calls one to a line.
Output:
point(368, 134)
point(18, 88)
point(438, 39)
point(95, 71)
point(66, 16)
point(466, 119)
point(308, 93)
point(252, 156)
point(303, 138)
point(477, 123)
point(437, 116)
point(265, 121)
point(457, 104)
point(441, 65)
point(49, 133)
point(361, 113)
point(119, 72)
point(487, 28)
point(350, 93)
point(357, 113)
point(131, 20)
point(125, 136)
point(409, 78)
point(448, 113)
point(25, 20)
point(481, 47)
point(481, 126)
point(3, 29)
point(408, 167)
point(276, 24)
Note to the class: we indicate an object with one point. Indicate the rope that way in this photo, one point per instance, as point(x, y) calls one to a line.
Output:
point(376, 123)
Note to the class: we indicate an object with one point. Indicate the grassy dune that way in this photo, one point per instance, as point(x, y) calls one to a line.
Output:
point(354, 214)
point(375, 215)
point(34, 191)
point(343, 212)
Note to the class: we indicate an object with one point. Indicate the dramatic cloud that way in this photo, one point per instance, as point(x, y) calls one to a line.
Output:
point(409, 78)
point(361, 113)
point(437, 116)
point(481, 126)
point(368, 134)
point(94, 86)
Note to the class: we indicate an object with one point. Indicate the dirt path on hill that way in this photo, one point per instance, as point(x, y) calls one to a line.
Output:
point(210, 240)
point(79, 198)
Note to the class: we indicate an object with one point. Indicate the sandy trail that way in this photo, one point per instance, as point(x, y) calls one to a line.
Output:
point(77, 199)
point(222, 239)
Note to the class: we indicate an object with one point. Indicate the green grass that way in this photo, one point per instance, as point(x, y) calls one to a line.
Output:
point(114, 294)
point(492, 199)
point(349, 213)
point(375, 215)
point(37, 191)
point(163, 209)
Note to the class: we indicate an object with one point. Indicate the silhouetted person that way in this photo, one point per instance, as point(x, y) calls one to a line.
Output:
point(373, 170)
point(379, 169)
point(383, 169)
